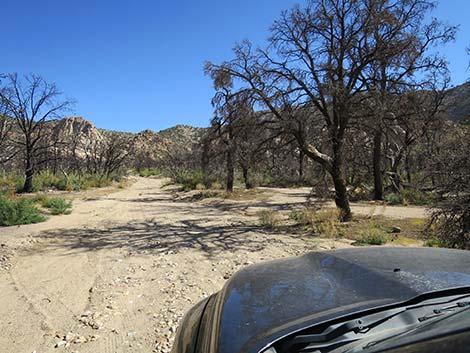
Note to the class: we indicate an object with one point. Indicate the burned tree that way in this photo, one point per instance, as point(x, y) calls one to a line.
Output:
point(450, 168)
point(230, 109)
point(319, 62)
point(403, 65)
point(31, 102)
point(106, 156)
point(7, 149)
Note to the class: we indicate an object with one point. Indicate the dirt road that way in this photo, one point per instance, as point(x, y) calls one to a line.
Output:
point(119, 272)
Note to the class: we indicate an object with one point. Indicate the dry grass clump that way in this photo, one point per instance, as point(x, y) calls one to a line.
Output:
point(324, 223)
point(269, 219)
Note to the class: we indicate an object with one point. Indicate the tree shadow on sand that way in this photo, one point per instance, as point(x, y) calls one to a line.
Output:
point(159, 238)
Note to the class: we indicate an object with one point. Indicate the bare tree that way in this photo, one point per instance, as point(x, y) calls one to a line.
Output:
point(230, 109)
point(451, 210)
point(319, 59)
point(106, 156)
point(7, 149)
point(31, 102)
point(403, 64)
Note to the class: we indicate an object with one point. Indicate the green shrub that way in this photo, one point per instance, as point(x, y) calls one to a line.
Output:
point(373, 236)
point(189, 179)
point(46, 180)
point(393, 199)
point(148, 172)
point(415, 197)
point(297, 216)
point(433, 242)
point(57, 205)
point(16, 211)
point(409, 197)
point(269, 219)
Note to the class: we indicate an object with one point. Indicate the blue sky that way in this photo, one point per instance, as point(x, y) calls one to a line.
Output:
point(133, 65)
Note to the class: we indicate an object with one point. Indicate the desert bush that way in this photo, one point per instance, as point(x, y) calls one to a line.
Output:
point(189, 179)
point(393, 199)
point(215, 185)
point(360, 193)
point(433, 242)
point(269, 219)
point(450, 209)
point(47, 180)
point(57, 205)
point(322, 222)
point(409, 197)
point(149, 172)
point(11, 183)
point(297, 216)
point(200, 187)
point(415, 197)
point(372, 236)
point(325, 223)
point(16, 211)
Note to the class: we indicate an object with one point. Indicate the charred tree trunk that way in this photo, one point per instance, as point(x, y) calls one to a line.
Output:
point(29, 172)
point(230, 170)
point(246, 177)
point(301, 165)
point(408, 168)
point(377, 166)
point(205, 165)
point(231, 152)
point(341, 193)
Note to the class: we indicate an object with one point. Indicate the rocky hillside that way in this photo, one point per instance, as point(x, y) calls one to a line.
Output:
point(75, 127)
point(145, 147)
point(458, 103)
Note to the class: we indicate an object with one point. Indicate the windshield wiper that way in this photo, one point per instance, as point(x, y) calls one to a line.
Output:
point(444, 310)
point(392, 321)
point(356, 326)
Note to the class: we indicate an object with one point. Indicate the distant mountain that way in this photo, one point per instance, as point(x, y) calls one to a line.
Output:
point(457, 103)
point(74, 127)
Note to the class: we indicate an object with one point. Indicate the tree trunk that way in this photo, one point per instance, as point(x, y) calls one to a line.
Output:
point(377, 165)
point(246, 177)
point(29, 173)
point(301, 165)
point(408, 168)
point(341, 194)
point(230, 169)
point(205, 165)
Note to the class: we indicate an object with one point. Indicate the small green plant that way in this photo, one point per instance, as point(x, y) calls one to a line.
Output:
point(393, 199)
point(16, 211)
point(415, 197)
point(297, 216)
point(373, 236)
point(149, 172)
point(433, 242)
point(189, 179)
point(269, 219)
point(57, 205)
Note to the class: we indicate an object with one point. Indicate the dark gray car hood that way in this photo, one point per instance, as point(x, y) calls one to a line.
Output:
point(267, 301)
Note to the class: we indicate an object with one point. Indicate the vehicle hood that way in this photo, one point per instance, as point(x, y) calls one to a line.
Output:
point(265, 302)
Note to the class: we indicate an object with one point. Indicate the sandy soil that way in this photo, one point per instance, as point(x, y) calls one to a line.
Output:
point(119, 272)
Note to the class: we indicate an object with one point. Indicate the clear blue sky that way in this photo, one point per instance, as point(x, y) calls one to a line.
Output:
point(133, 65)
